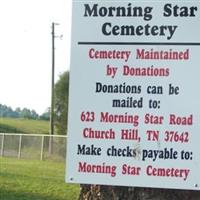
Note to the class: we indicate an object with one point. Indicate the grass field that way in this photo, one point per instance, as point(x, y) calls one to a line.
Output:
point(34, 180)
point(12, 125)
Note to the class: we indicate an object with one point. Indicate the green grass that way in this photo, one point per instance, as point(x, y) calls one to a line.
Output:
point(34, 180)
point(12, 125)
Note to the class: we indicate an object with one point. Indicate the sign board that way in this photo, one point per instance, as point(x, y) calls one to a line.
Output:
point(134, 104)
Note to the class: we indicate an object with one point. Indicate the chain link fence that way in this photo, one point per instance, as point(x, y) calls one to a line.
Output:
point(33, 146)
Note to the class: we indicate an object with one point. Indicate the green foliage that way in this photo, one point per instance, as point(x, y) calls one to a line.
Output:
point(25, 113)
point(45, 115)
point(6, 111)
point(10, 125)
point(61, 103)
point(34, 180)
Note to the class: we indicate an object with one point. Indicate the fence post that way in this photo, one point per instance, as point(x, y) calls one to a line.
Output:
point(2, 144)
point(42, 148)
point(20, 146)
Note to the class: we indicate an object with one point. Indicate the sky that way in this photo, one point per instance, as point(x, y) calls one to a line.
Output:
point(26, 53)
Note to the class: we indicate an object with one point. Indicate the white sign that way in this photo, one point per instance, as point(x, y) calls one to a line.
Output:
point(134, 104)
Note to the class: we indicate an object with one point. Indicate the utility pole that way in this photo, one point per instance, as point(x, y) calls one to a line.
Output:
point(52, 81)
point(52, 89)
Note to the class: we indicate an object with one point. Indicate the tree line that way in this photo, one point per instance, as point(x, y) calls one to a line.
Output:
point(7, 111)
point(60, 108)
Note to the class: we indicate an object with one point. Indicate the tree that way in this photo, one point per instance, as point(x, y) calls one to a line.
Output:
point(6, 111)
point(26, 113)
point(18, 112)
point(61, 103)
point(46, 114)
point(34, 115)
